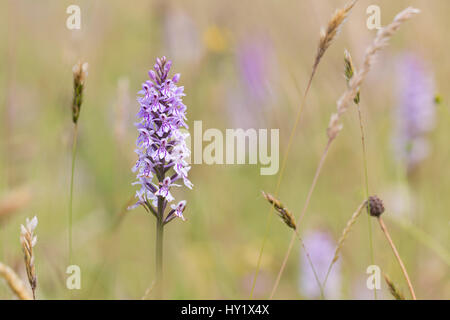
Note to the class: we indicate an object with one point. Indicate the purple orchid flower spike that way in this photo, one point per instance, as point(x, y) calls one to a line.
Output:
point(161, 145)
point(161, 148)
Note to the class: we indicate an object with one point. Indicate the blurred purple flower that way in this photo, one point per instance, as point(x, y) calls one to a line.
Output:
point(256, 63)
point(161, 146)
point(415, 112)
point(320, 246)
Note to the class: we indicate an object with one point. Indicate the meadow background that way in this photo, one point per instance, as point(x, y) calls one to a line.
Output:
point(243, 64)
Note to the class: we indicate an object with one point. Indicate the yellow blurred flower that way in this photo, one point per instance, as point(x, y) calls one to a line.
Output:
point(215, 39)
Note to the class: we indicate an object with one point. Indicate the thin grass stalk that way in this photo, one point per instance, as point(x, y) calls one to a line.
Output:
point(366, 183)
point(79, 77)
point(326, 38)
point(14, 282)
point(349, 72)
point(342, 239)
point(279, 179)
point(305, 206)
point(308, 257)
point(397, 256)
point(70, 221)
point(289, 220)
point(380, 41)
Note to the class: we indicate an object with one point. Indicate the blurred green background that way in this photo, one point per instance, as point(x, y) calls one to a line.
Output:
point(214, 253)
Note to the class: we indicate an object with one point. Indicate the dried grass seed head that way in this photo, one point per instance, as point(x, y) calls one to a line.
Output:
point(281, 210)
point(333, 28)
point(381, 40)
point(28, 240)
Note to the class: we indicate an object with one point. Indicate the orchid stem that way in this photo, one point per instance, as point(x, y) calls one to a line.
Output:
point(159, 249)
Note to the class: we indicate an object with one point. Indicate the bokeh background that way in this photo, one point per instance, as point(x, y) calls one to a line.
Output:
point(243, 64)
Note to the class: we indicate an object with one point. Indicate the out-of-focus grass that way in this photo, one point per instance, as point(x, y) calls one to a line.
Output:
point(213, 254)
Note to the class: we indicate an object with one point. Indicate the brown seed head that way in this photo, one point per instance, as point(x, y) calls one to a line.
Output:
point(375, 206)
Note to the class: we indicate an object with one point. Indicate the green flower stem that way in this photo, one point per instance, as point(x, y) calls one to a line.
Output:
point(159, 248)
point(74, 151)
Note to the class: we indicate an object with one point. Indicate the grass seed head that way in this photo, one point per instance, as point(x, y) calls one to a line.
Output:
point(281, 211)
point(28, 240)
point(381, 40)
point(349, 71)
point(395, 292)
point(375, 206)
point(332, 29)
point(79, 77)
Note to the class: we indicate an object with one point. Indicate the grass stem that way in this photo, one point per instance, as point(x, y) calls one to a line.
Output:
point(280, 177)
point(74, 151)
point(308, 199)
point(366, 190)
point(308, 257)
point(341, 240)
point(397, 256)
